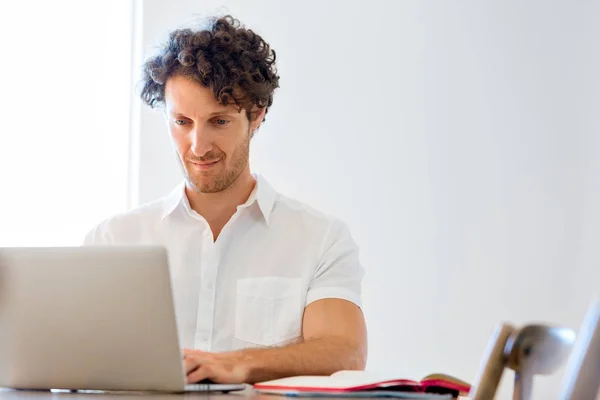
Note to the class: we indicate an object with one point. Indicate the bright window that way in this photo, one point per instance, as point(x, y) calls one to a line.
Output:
point(64, 122)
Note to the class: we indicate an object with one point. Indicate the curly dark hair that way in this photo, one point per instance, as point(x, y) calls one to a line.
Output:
point(234, 62)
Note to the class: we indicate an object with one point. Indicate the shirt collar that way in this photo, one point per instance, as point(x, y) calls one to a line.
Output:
point(263, 194)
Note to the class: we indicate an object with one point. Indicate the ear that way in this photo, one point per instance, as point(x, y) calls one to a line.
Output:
point(260, 116)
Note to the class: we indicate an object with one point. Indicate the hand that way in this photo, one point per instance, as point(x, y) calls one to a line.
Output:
point(218, 367)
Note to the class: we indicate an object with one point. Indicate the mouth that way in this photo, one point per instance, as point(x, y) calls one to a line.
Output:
point(204, 165)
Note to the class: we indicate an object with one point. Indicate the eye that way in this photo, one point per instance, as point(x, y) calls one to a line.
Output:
point(180, 122)
point(221, 122)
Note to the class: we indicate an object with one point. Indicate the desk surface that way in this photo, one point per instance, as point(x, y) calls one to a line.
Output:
point(42, 395)
point(247, 394)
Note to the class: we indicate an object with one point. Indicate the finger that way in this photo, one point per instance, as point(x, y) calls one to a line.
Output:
point(187, 352)
point(200, 358)
point(201, 373)
point(191, 363)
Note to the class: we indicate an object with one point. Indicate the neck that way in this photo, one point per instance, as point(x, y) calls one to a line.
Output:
point(218, 208)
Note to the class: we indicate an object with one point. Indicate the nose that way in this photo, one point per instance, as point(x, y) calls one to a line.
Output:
point(201, 142)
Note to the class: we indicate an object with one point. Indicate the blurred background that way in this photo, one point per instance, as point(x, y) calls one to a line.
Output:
point(460, 141)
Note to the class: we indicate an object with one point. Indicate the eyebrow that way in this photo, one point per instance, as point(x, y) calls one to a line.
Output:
point(219, 112)
point(224, 111)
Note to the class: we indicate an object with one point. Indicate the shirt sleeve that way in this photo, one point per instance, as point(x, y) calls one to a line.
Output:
point(97, 236)
point(339, 273)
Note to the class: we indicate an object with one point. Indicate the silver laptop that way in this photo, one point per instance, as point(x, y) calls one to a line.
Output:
point(582, 375)
point(90, 318)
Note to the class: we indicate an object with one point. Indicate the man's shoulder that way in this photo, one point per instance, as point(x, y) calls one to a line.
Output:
point(127, 224)
point(305, 215)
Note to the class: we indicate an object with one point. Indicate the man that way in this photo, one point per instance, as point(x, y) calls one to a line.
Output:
point(264, 286)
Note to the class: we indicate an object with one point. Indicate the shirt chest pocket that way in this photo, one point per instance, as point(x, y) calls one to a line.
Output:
point(268, 310)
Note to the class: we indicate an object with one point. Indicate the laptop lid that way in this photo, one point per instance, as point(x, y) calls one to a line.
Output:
point(98, 318)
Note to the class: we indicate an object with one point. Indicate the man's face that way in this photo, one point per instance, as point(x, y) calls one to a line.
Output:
point(212, 140)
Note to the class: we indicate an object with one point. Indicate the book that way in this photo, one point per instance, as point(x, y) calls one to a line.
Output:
point(377, 393)
point(358, 382)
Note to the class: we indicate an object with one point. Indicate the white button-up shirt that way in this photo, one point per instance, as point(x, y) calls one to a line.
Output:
point(248, 288)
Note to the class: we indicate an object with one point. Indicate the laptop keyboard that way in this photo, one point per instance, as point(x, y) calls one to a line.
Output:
point(213, 387)
point(198, 387)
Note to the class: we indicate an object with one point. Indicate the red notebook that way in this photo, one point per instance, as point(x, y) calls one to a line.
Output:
point(360, 381)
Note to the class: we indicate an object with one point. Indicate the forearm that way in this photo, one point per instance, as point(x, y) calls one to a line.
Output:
point(313, 357)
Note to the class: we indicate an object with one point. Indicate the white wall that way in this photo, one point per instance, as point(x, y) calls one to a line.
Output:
point(458, 139)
